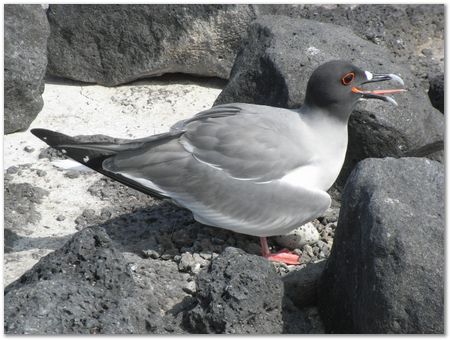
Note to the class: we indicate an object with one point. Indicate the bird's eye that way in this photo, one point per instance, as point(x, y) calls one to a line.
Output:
point(348, 78)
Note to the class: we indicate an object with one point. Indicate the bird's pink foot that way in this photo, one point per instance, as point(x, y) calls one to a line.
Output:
point(284, 255)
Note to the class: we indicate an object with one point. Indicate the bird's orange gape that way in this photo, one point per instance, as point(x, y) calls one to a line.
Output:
point(376, 92)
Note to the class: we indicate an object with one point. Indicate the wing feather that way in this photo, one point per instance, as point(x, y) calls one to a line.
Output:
point(259, 143)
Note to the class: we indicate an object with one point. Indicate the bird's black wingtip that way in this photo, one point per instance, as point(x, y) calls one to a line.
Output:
point(40, 133)
point(50, 137)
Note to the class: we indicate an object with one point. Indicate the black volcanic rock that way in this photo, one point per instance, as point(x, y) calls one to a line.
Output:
point(115, 44)
point(385, 273)
point(85, 287)
point(239, 294)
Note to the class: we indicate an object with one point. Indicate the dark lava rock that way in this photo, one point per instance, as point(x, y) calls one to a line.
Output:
point(436, 92)
point(85, 287)
point(51, 154)
point(20, 205)
point(301, 286)
point(26, 33)
point(277, 58)
point(382, 24)
point(238, 294)
point(403, 29)
point(386, 269)
point(115, 44)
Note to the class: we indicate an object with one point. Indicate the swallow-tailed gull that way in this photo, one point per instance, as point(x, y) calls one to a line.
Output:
point(253, 169)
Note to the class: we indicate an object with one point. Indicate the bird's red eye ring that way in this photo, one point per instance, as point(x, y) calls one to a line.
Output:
point(348, 78)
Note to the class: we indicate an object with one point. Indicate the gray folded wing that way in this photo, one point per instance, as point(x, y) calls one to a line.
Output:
point(225, 168)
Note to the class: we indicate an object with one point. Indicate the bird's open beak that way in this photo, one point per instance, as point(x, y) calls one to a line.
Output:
point(380, 94)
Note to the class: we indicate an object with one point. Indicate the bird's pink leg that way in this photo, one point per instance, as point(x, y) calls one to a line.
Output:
point(284, 255)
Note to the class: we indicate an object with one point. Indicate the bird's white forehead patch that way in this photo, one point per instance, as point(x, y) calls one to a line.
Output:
point(369, 75)
point(86, 159)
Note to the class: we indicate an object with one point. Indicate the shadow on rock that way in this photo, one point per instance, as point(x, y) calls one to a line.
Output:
point(165, 230)
point(15, 243)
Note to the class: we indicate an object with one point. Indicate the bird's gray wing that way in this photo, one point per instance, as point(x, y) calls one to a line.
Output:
point(248, 142)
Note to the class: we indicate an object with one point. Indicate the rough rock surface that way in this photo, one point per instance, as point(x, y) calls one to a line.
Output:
point(239, 294)
point(301, 286)
point(277, 58)
point(115, 44)
point(85, 287)
point(242, 294)
point(380, 277)
point(20, 202)
point(413, 33)
point(436, 92)
point(26, 33)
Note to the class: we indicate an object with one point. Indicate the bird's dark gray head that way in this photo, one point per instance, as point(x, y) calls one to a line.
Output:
point(335, 87)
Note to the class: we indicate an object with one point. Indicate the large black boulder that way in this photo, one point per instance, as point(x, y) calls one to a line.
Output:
point(238, 294)
point(115, 44)
point(385, 273)
point(85, 287)
point(414, 33)
point(277, 58)
point(26, 33)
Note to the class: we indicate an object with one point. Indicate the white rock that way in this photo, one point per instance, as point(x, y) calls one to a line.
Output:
point(297, 238)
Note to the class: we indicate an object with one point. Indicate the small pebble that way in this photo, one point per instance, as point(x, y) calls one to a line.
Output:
point(151, 253)
point(12, 170)
point(297, 238)
point(105, 213)
point(186, 262)
point(166, 256)
point(305, 258)
point(190, 287)
point(316, 250)
point(206, 256)
point(132, 266)
point(88, 213)
point(72, 174)
point(321, 244)
point(309, 250)
point(427, 51)
point(28, 149)
point(60, 218)
point(41, 173)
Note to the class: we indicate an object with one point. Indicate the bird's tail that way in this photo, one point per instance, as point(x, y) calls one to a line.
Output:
point(90, 154)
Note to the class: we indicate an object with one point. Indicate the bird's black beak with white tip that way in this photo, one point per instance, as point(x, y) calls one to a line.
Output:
point(379, 94)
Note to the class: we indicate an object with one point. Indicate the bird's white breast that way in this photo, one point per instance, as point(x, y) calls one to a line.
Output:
point(328, 143)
